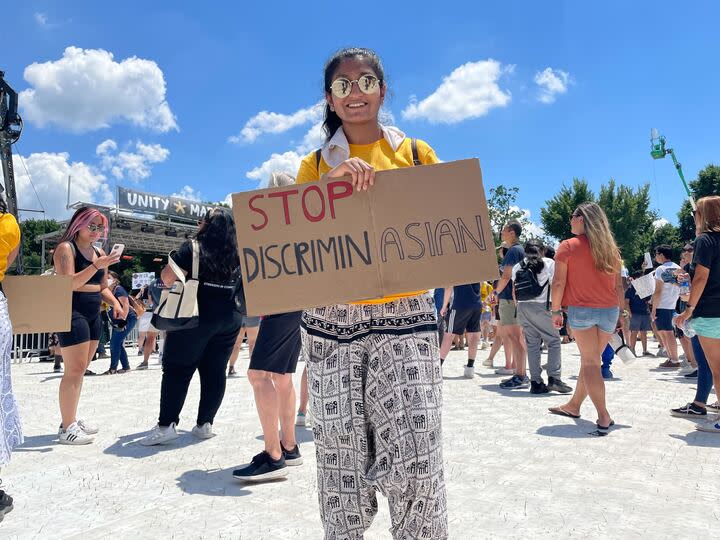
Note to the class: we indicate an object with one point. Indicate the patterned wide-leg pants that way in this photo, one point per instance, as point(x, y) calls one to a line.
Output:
point(376, 396)
point(10, 428)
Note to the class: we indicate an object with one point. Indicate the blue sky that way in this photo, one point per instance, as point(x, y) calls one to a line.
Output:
point(183, 81)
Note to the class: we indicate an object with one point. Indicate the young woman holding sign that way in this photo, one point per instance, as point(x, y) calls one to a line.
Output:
point(375, 394)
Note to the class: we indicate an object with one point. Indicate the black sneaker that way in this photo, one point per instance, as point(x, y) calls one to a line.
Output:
point(261, 468)
point(516, 382)
point(689, 411)
point(6, 504)
point(556, 385)
point(538, 387)
point(292, 457)
point(691, 375)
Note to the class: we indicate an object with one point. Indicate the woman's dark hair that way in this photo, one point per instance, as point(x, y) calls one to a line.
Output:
point(332, 121)
point(219, 261)
point(549, 252)
point(533, 253)
point(3, 205)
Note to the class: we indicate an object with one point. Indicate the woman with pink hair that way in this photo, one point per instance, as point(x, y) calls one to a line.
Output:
point(76, 256)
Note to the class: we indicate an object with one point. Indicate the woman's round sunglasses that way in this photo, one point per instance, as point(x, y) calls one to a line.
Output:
point(342, 87)
point(95, 228)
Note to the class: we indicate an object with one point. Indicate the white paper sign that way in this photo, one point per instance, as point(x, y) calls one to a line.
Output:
point(644, 286)
point(142, 279)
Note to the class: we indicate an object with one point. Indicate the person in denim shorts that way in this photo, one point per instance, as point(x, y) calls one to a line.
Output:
point(587, 281)
point(703, 306)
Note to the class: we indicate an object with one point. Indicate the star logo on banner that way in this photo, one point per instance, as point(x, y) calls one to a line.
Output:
point(179, 207)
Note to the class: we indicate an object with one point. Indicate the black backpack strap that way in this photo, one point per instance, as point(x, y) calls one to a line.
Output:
point(549, 292)
point(415, 155)
point(318, 157)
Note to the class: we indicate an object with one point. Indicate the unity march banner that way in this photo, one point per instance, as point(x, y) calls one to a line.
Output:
point(150, 203)
point(324, 243)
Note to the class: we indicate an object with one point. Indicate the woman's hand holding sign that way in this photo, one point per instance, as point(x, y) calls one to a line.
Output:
point(362, 173)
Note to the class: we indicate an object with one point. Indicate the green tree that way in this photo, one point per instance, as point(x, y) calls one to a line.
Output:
point(502, 208)
point(31, 249)
point(707, 183)
point(630, 218)
point(555, 217)
point(667, 234)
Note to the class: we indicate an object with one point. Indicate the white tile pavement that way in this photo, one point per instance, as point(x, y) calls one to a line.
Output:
point(512, 470)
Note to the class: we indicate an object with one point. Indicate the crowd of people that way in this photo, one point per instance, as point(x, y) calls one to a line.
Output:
point(372, 384)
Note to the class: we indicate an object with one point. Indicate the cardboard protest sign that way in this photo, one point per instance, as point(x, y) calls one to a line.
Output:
point(39, 303)
point(323, 243)
point(142, 279)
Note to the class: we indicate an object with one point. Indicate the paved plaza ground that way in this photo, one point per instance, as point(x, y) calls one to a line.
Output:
point(512, 469)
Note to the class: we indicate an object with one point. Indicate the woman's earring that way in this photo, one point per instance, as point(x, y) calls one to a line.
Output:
point(332, 108)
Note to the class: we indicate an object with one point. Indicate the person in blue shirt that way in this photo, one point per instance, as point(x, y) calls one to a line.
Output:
point(509, 328)
point(122, 326)
point(464, 317)
point(640, 323)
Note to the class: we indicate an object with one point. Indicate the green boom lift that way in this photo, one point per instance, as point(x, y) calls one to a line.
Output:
point(658, 151)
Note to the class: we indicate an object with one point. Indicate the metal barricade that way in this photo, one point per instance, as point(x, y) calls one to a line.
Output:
point(27, 347)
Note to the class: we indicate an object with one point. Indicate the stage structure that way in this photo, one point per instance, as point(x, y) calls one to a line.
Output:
point(144, 222)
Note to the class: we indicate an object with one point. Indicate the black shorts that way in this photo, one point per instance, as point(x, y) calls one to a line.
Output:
point(278, 344)
point(464, 320)
point(85, 320)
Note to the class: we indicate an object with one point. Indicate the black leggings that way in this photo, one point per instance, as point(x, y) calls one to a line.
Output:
point(206, 349)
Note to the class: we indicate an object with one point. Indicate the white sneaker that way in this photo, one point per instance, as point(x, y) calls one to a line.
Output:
point(469, 372)
point(487, 362)
point(160, 435)
point(484, 345)
point(74, 435)
point(203, 432)
point(713, 426)
point(87, 428)
point(504, 371)
point(714, 407)
point(686, 369)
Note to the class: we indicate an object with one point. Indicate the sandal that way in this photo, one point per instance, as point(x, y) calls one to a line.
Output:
point(110, 372)
point(562, 412)
point(601, 431)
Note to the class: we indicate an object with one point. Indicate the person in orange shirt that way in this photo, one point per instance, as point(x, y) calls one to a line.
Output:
point(373, 367)
point(587, 281)
point(10, 427)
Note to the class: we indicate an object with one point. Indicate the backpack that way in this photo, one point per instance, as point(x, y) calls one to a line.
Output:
point(413, 146)
point(527, 286)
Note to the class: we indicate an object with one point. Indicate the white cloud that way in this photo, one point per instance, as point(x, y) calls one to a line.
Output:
point(288, 162)
point(552, 82)
point(470, 91)
point(312, 140)
point(272, 122)
point(660, 223)
point(227, 200)
point(49, 173)
point(133, 165)
point(188, 192)
point(41, 19)
point(87, 89)
point(530, 228)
